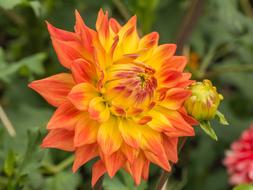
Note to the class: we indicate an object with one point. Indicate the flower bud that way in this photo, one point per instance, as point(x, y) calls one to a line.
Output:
point(204, 101)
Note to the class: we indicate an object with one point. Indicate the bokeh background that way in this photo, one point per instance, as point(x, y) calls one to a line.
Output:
point(217, 37)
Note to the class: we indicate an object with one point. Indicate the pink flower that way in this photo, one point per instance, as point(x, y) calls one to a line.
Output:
point(239, 160)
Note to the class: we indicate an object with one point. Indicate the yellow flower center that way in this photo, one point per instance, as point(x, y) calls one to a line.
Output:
point(130, 89)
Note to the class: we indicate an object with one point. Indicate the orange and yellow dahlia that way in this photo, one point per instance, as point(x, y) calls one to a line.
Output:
point(121, 101)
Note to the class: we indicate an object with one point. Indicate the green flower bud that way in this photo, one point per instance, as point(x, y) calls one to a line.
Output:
point(204, 101)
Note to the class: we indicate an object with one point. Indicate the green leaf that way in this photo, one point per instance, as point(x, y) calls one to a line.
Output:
point(9, 164)
point(33, 154)
point(113, 184)
point(222, 118)
point(206, 126)
point(9, 4)
point(244, 187)
point(122, 181)
point(62, 180)
point(33, 63)
point(36, 6)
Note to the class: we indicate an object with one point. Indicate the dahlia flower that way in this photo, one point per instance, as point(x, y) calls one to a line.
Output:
point(121, 99)
point(239, 159)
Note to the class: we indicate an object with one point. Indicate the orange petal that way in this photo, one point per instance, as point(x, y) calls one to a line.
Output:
point(128, 39)
point(169, 78)
point(81, 95)
point(129, 152)
point(149, 41)
point(159, 121)
point(137, 168)
point(61, 34)
point(85, 32)
point(98, 170)
point(180, 126)
point(85, 131)
point(145, 170)
point(55, 88)
point(161, 54)
point(170, 146)
point(114, 25)
point(65, 117)
point(188, 118)
point(175, 63)
point(60, 139)
point(109, 137)
point(114, 162)
point(83, 71)
point(175, 98)
point(184, 80)
point(153, 147)
point(130, 133)
point(160, 160)
point(67, 48)
point(84, 154)
point(104, 33)
point(98, 110)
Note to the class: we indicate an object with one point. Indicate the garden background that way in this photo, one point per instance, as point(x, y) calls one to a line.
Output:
point(217, 37)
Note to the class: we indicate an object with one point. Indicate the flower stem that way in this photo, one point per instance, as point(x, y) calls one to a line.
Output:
point(52, 169)
point(122, 9)
point(165, 174)
point(162, 180)
point(7, 123)
point(99, 184)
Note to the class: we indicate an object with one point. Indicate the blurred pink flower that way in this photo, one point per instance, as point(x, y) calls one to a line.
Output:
point(239, 159)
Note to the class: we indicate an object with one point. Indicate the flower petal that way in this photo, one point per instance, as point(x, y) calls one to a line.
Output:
point(179, 126)
point(98, 170)
point(159, 121)
point(137, 168)
point(83, 71)
point(170, 146)
point(153, 147)
point(129, 152)
point(65, 117)
point(161, 54)
point(113, 162)
point(85, 131)
point(55, 88)
point(60, 139)
point(175, 63)
point(109, 137)
point(85, 32)
point(81, 95)
point(67, 45)
point(99, 110)
point(175, 98)
point(160, 160)
point(130, 133)
point(84, 154)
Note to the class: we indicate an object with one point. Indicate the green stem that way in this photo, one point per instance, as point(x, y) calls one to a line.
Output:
point(6, 122)
point(122, 9)
point(237, 69)
point(246, 7)
point(207, 61)
point(61, 166)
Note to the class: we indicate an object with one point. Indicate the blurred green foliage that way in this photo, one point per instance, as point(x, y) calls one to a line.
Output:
point(222, 39)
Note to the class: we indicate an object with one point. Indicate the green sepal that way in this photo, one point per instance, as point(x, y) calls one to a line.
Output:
point(206, 126)
point(221, 118)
